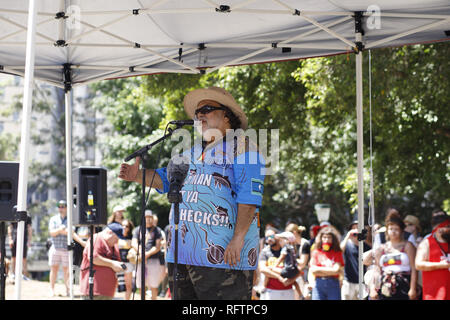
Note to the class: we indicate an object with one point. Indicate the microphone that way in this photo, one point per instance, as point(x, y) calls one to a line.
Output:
point(182, 122)
point(176, 173)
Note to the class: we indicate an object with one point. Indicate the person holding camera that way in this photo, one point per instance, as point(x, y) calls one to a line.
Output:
point(58, 254)
point(106, 263)
point(350, 249)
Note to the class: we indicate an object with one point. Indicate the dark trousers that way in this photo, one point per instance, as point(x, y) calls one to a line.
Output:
point(205, 283)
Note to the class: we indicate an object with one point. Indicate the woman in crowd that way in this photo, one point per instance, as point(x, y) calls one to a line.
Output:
point(326, 266)
point(117, 215)
point(412, 225)
point(302, 249)
point(395, 275)
point(124, 247)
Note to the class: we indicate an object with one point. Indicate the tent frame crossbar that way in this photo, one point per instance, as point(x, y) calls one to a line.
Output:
point(125, 70)
point(407, 33)
point(146, 49)
point(238, 8)
point(280, 44)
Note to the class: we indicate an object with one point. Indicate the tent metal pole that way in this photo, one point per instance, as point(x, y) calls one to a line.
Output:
point(69, 193)
point(287, 41)
point(119, 72)
point(70, 41)
point(67, 76)
point(360, 161)
point(25, 141)
point(406, 33)
point(242, 4)
point(143, 48)
point(23, 30)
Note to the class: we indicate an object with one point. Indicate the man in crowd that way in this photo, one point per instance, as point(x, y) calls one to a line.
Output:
point(154, 270)
point(350, 249)
point(433, 259)
point(276, 287)
point(219, 219)
point(106, 263)
point(58, 254)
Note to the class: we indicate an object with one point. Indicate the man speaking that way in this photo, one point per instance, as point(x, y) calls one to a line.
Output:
point(219, 213)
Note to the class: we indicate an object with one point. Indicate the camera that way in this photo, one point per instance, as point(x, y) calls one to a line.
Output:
point(121, 280)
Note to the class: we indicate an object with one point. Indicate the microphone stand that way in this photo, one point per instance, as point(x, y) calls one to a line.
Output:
point(91, 265)
point(176, 218)
point(142, 153)
point(2, 262)
point(174, 196)
point(144, 150)
point(143, 229)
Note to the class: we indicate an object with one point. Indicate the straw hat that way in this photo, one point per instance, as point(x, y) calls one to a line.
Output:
point(193, 98)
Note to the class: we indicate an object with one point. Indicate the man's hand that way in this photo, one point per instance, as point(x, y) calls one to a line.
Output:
point(63, 230)
point(129, 172)
point(287, 282)
point(232, 254)
point(245, 216)
point(117, 266)
point(412, 294)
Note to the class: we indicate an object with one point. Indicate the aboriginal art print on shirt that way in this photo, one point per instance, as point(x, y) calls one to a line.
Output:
point(211, 192)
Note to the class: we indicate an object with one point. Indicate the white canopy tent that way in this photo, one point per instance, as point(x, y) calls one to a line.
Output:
point(71, 43)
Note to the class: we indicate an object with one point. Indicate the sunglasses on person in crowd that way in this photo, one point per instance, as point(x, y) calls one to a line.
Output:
point(207, 109)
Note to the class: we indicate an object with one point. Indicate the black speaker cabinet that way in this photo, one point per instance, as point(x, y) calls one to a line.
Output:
point(89, 196)
point(9, 177)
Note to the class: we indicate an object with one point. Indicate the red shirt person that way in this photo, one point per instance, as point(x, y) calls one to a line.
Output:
point(106, 263)
point(276, 287)
point(326, 265)
point(433, 259)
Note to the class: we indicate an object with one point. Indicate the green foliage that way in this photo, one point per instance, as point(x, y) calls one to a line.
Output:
point(409, 118)
point(134, 118)
point(312, 103)
point(9, 147)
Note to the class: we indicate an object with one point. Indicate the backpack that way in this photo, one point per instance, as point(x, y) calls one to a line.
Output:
point(290, 265)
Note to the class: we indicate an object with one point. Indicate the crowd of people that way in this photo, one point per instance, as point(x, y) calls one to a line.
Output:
point(399, 262)
point(221, 255)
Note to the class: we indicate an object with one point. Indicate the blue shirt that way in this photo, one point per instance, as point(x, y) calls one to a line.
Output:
point(225, 175)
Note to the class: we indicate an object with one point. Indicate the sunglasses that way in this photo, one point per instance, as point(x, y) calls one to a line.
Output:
point(62, 206)
point(270, 237)
point(207, 109)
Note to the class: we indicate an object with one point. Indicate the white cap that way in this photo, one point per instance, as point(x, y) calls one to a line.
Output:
point(118, 208)
point(148, 213)
point(287, 235)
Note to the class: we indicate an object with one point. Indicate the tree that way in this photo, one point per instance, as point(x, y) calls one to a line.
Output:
point(134, 120)
point(409, 119)
point(312, 103)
